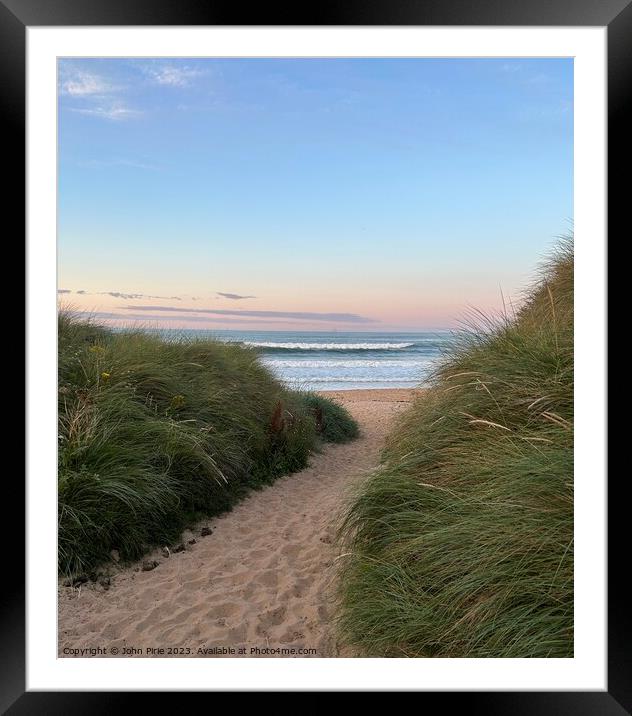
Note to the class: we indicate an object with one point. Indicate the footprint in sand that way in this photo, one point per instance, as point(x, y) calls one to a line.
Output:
point(291, 550)
point(269, 578)
point(226, 609)
point(272, 617)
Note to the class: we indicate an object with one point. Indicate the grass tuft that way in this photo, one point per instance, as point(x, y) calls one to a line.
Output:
point(333, 422)
point(461, 544)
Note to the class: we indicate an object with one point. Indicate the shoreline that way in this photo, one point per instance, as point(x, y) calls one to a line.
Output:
point(375, 395)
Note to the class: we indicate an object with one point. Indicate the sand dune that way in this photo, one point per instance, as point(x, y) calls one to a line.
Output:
point(262, 580)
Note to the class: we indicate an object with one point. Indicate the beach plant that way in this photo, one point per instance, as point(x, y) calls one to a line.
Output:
point(333, 422)
point(461, 543)
point(155, 433)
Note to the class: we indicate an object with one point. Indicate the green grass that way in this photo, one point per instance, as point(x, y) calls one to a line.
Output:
point(332, 419)
point(461, 544)
point(154, 434)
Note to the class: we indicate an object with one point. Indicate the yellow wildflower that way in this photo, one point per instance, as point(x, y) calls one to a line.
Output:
point(177, 402)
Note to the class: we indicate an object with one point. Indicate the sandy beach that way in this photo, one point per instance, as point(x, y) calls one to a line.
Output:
point(262, 579)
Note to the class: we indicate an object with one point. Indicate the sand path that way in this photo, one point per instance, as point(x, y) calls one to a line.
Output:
point(261, 580)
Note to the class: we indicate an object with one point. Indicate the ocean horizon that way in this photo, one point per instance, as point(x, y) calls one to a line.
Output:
point(341, 360)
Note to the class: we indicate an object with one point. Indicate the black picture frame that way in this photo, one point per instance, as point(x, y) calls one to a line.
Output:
point(17, 15)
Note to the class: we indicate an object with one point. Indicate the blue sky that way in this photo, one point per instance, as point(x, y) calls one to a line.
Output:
point(395, 190)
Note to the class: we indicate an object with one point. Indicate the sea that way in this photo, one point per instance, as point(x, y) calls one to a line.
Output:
point(344, 360)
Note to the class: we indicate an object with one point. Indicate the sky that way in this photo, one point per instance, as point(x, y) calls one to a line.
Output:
point(309, 194)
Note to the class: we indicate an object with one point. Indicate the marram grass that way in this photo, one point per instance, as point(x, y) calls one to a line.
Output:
point(461, 544)
point(155, 433)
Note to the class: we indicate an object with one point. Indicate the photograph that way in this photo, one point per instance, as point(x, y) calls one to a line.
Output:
point(316, 353)
point(315, 357)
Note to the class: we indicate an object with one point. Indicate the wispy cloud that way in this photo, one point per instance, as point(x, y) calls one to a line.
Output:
point(233, 296)
point(511, 67)
point(120, 294)
point(297, 315)
point(96, 94)
point(143, 317)
point(79, 83)
point(115, 111)
point(170, 75)
point(134, 296)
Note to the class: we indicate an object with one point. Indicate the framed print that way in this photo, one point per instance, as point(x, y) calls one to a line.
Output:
point(316, 349)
